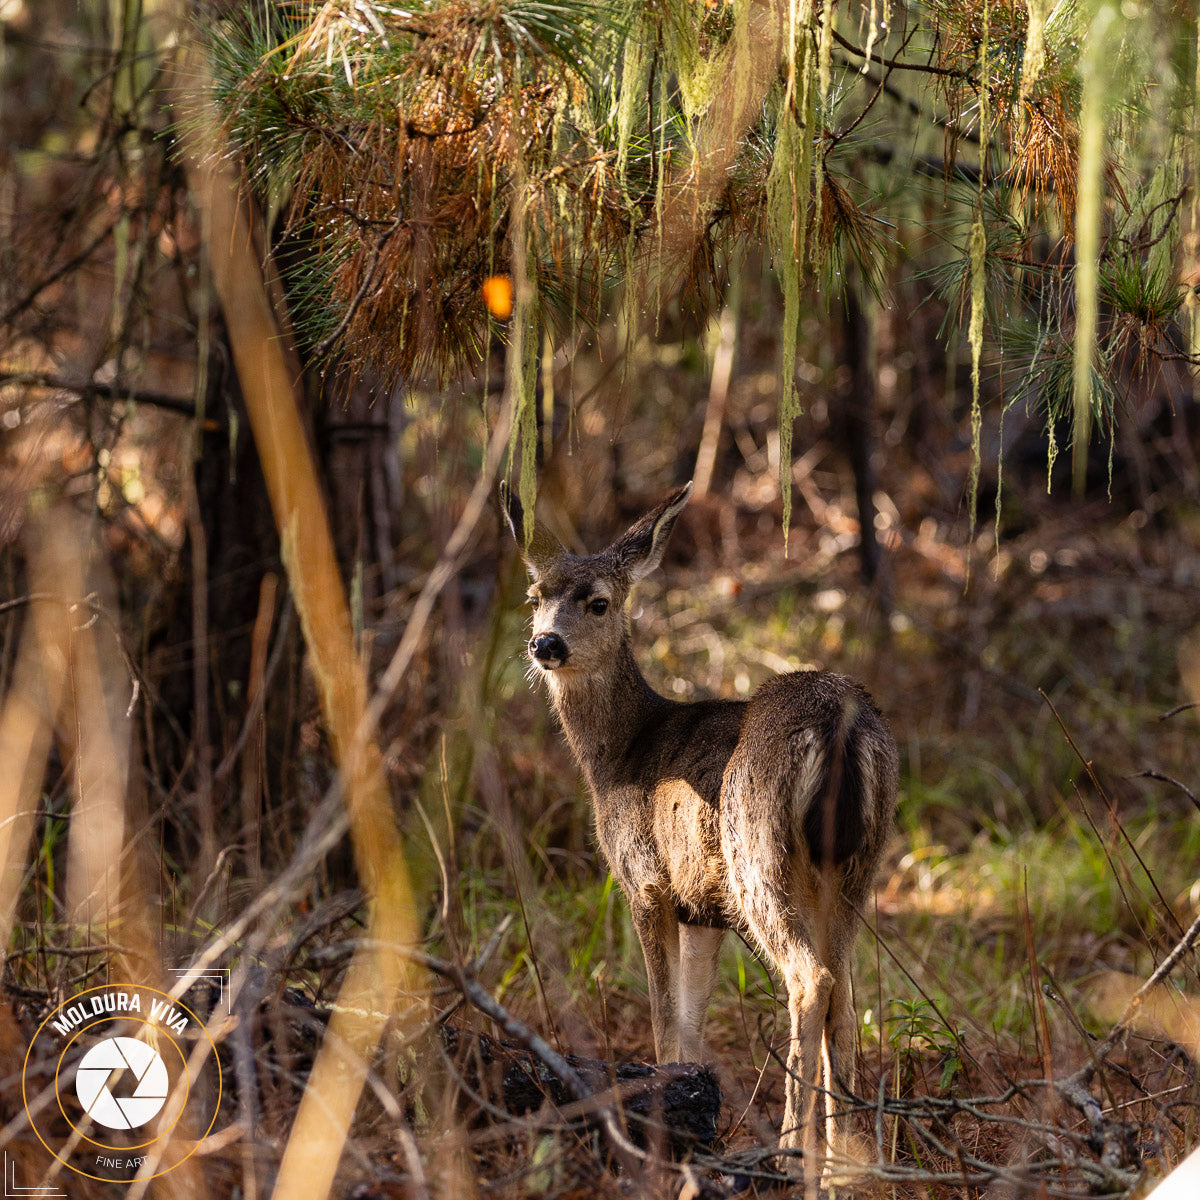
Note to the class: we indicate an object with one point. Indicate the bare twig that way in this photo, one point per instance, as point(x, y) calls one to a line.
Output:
point(536, 1045)
point(1150, 773)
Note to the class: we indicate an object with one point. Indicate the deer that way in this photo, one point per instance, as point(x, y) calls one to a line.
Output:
point(766, 815)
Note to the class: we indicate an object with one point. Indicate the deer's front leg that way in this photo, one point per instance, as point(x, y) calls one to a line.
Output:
point(658, 932)
point(699, 956)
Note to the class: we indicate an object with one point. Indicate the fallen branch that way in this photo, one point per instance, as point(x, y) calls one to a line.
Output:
point(679, 1101)
point(563, 1071)
point(583, 1080)
point(1107, 1137)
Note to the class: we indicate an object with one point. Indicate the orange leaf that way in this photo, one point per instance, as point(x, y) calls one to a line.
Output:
point(498, 296)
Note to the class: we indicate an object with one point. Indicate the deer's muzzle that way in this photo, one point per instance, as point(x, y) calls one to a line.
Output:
point(548, 650)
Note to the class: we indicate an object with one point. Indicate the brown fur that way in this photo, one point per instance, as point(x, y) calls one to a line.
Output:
point(767, 815)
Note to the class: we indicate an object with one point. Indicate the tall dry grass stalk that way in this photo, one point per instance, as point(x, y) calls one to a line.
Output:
point(381, 971)
point(71, 681)
point(27, 720)
point(94, 724)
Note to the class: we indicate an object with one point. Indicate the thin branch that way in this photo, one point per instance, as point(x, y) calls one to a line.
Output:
point(76, 260)
point(894, 65)
point(93, 387)
point(894, 93)
point(1148, 240)
point(1150, 773)
point(881, 85)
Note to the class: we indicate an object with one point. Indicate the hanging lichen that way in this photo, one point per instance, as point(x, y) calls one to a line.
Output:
point(660, 199)
point(1112, 446)
point(978, 252)
point(872, 34)
point(520, 365)
point(696, 73)
point(739, 46)
point(1194, 201)
point(782, 208)
point(631, 300)
point(635, 70)
point(824, 75)
point(787, 210)
point(985, 116)
point(1051, 452)
point(524, 355)
point(789, 46)
point(1191, 304)
point(825, 51)
point(999, 487)
point(1095, 71)
point(1035, 51)
point(978, 255)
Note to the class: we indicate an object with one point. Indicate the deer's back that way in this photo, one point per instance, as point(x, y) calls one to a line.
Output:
point(814, 772)
point(697, 773)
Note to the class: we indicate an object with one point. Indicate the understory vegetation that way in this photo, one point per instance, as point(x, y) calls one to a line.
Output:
point(907, 290)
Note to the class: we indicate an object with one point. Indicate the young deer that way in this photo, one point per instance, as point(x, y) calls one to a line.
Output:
point(766, 815)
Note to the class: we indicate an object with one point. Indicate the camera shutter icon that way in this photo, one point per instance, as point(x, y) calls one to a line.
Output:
point(96, 1068)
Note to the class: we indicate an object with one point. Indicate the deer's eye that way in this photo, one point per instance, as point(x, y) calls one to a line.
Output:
point(534, 601)
point(598, 607)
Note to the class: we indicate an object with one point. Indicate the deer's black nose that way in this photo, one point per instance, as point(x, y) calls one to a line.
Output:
point(549, 650)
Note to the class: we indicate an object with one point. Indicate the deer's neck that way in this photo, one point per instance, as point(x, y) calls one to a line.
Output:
point(603, 714)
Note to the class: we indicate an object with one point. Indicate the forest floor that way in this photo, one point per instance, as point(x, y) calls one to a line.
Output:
point(1035, 871)
point(1042, 865)
point(1044, 859)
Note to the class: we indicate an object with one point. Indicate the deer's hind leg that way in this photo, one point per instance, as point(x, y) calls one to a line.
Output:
point(840, 1027)
point(810, 989)
point(785, 938)
point(847, 1150)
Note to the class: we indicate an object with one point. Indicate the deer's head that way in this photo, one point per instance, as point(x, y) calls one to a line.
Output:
point(578, 602)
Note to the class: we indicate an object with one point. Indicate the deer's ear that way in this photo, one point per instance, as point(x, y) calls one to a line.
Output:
point(640, 550)
point(542, 550)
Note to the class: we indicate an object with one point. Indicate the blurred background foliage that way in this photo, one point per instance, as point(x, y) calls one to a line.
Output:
point(394, 145)
point(794, 315)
